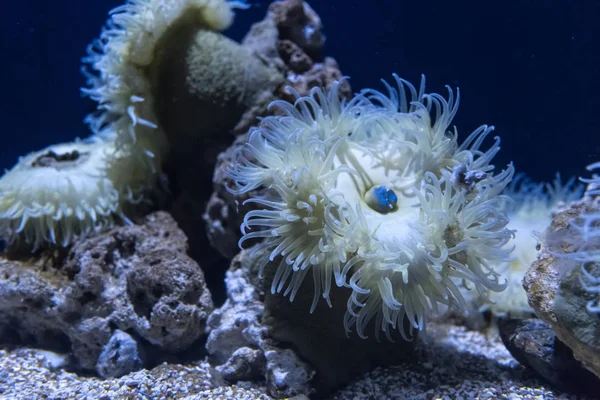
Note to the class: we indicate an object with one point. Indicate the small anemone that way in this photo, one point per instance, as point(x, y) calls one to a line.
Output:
point(129, 43)
point(376, 195)
point(530, 211)
point(118, 66)
point(66, 191)
point(59, 193)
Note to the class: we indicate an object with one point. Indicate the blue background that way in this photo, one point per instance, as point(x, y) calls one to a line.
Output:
point(531, 68)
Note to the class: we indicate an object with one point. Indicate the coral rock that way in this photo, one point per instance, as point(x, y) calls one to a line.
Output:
point(294, 56)
point(322, 74)
point(238, 325)
point(298, 22)
point(137, 279)
point(120, 356)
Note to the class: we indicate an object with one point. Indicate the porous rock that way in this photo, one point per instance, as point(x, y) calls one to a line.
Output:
point(239, 343)
point(298, 22)
point(136, 279)
point(120, 356)
point(321, 74)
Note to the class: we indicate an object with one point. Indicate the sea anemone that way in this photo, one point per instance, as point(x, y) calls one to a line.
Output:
point(121, 57)
point(377, 195)
point(59, 193)
point(530, 213)
point(66, 191)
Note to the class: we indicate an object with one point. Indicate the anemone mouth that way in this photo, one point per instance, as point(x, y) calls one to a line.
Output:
point(397, 210)
point(51, 159)
point(382, 199)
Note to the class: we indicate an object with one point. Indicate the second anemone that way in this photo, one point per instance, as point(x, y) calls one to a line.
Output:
point(377, 195)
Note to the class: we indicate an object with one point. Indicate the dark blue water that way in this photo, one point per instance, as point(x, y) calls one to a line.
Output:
point(531, 68)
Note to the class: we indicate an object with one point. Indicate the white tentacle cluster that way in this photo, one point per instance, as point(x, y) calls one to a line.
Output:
point(376, 194)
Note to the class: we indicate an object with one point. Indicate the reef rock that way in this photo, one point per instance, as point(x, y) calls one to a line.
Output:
point(239, 343)
point(554, 289)
point(110, 299)
point(533, 343)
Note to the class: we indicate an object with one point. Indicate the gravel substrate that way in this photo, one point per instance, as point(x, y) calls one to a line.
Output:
point(456, 364)
point(35, 374)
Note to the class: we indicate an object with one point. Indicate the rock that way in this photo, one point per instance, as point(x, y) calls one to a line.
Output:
point(225, 211)
point(238, 325)
point(554, 289)
point(298, 22)
point(136, 279)
point(245, 364)
point(263, 40)
point(286, 373)
point(120, 356)
point(295, 57)
point(321, 74)
point(533, 343)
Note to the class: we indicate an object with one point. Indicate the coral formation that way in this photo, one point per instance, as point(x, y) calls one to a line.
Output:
point(331, 166)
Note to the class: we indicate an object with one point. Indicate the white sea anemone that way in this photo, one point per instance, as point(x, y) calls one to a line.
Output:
point(530, 213)
point(59, 193)
point(377, 195)
point(66, 191)
point(121, 58)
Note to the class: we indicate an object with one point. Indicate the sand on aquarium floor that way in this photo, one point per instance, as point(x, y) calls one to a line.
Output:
point(461, 364)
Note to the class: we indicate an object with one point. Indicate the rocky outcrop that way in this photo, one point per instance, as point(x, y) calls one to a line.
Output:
point(239, 343)
point(111, 300)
